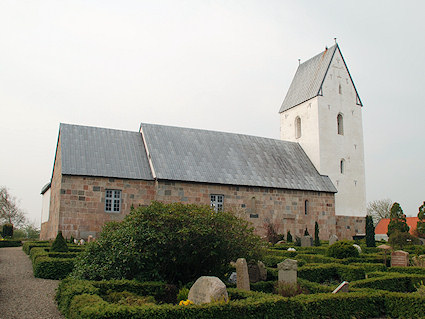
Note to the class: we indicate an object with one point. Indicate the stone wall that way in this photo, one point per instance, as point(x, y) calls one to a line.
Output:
point(78, 206)
point(348, 226)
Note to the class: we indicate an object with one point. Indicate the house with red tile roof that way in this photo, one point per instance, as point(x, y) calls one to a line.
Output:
point(382, 228)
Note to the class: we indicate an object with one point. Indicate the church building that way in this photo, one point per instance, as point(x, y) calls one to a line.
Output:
point(314, 173)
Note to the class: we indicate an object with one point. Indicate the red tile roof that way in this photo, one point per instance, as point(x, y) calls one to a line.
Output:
point(382, 227)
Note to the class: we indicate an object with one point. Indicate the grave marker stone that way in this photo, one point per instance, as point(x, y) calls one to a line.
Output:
point(242, 275)
point(287, 271)
point(263, 271)
point(399, 258)
point(333, 239)
point(306, 241)
point(207, 289)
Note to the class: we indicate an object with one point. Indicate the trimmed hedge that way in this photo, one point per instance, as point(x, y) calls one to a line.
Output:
point(309, 258)
point(27, 246)
point(52, 268)
point(82, 299)
point(392, 282)
point(330, 272)
point(408, 270)
point(370, 267)
point(10, 243)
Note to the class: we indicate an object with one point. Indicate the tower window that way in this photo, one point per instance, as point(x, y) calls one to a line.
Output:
point(340, 124)
point(306, 207)
point(342, 166)
point(297, 127)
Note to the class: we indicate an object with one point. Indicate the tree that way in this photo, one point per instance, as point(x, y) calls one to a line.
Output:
point(370, 232)
point(9, 209)
point(306, 232)
point(169, 242)
point(289, 237)
point(398, 220)
point(379, 209)
point(420, 226)
point(316, 234)
point(59, 244)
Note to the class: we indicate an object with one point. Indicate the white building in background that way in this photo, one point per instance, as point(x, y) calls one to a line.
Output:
point(322, 111)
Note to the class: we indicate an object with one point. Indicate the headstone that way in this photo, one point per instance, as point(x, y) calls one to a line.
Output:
point(75, 241)
point(359, 249)
point(263, 271)
point(333, 239)
point(207, 289)
point(90, 239)
point(242, 275)
point(306, 241)
point(399, 258)
point(81, 242)
point(280, 242)
point(287, 271)
point(422, 240)
point(253, 272)
point(343, 287)
point(232, 278)
point(291, 249)
point(419, 261)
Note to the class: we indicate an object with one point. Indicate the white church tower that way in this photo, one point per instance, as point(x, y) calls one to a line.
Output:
point(322, 111)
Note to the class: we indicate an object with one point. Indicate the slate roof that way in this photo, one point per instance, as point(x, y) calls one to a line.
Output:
point(93, 151)
point(194, 155)
point(309, 78)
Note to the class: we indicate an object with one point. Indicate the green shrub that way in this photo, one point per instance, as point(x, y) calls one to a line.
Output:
point(27, 246)
point(308, 258)
point(391, 282)
point(342, 249)
point(182, 294)
point(370, 232)
point(289, 237)
point(314, 287)
point(288, 290)
point(264, 286)
point(370, 267)
point(7, 230)
point(59, 244)
point(169, 242)
point(52, 268)
point(10, 243)
point(330, 273)
point(408, 270)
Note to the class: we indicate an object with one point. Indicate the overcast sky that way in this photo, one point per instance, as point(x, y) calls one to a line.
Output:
point(219, 65)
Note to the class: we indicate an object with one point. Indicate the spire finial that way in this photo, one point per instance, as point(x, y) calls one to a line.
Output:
point(335, 41)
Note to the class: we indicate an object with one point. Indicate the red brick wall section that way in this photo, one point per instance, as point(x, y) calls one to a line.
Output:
point(78, 204)
point(348, 226)
point(284, 208)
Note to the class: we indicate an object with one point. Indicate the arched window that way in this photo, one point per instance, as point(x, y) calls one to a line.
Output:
point(306, 207)
point(297, 127)
point(340, 124)
point(340, 89)
point(342, 166)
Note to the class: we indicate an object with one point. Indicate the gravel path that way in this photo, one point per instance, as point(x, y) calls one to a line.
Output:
point(21, 295)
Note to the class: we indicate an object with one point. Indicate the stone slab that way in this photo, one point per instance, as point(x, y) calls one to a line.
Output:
point(207, 289)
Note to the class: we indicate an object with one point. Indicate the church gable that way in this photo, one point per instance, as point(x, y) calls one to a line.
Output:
point(310, 77)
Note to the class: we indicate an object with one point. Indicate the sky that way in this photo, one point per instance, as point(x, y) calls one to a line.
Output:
point(217, 65)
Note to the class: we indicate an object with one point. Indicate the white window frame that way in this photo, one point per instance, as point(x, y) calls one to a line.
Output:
point(217, 201)
point(113, 200)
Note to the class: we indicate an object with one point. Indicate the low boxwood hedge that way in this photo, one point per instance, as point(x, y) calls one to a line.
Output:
point(10, 243)
point(83, 299)
point(330, 272)
point(391, 282)
point(408, 270)
point(52, 268)
point(27, 246)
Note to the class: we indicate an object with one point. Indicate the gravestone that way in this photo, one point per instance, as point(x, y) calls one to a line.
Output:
point(253, 272)
point(291, 249)
point(90, 239)
point(207, 289)
point(419, 261)
point(399, 258)
point(263, 271)
point(359, 249)
point(306, 241)
point(287, 271)
point(242, 281)
point(333, 239)
point(343, 287)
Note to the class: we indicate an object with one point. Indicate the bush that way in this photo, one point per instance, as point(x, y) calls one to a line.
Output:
point(7, 230)
point(59, 244)
point(289, 237)
point(52, 268)
point(288, 290)
point(330, 273)
point(391, 282)
point(399, 240)
point(27, 246)
point(10, 243)
point(169, 242)
point(183, 293)
point(342, 249)
point(370, 232)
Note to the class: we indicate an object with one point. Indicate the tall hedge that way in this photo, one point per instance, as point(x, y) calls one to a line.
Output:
point(169, 242)
point(59, 244)
point(370, 232)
